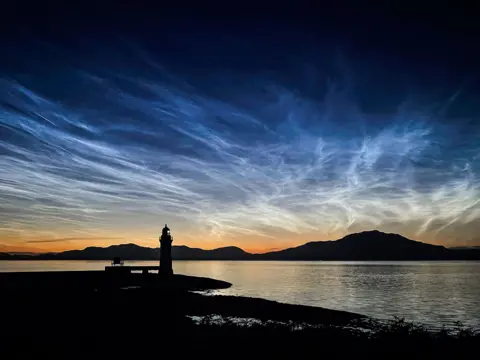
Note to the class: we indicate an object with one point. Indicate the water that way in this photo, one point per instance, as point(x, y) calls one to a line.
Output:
point(434, 293)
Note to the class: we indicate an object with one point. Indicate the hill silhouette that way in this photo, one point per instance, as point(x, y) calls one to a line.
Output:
point(368, 246)
point(136, 252)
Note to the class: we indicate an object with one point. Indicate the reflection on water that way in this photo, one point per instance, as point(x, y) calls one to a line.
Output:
point(429, 292)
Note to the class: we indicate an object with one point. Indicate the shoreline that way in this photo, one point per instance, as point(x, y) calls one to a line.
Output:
point(186, 289)
point(87, 280)
point(199, 295)
point(52, 311)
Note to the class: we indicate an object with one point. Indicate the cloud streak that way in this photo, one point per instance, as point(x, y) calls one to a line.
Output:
point(133, 153)
point(71, 239)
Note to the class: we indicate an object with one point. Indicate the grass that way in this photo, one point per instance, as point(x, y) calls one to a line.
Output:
point(364, 336)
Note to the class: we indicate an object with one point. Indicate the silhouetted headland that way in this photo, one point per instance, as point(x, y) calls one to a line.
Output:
point(109, 313)
point(102, 280)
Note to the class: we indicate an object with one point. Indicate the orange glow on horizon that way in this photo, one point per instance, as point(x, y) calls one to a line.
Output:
point(250, 244)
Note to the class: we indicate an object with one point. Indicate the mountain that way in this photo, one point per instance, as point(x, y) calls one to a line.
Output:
point(372, 246)
point(367, 246)
point(125, 251)
point(135, 252)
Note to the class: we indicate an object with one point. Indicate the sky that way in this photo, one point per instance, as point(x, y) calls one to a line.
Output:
point(262, 132)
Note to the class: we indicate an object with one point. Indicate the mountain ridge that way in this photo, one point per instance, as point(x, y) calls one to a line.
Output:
point(370, 245)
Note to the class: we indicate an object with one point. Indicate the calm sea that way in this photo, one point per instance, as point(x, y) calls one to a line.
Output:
point(434, 293)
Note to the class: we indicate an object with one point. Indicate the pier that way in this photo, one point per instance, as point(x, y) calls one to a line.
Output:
point(132, 269)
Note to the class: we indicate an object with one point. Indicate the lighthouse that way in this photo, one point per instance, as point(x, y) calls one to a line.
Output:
point(166, 252)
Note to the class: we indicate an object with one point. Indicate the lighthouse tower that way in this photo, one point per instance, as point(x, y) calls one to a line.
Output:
point(166, 252)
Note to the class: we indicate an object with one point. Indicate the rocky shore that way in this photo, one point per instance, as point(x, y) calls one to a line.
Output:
point(88, 311)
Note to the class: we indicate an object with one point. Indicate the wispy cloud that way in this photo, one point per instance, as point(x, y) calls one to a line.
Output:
point(67, 239)
point(133, 153)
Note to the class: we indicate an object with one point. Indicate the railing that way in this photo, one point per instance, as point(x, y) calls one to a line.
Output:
point(117, 261)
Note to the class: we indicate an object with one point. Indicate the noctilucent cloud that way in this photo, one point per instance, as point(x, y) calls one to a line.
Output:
point(106, 146)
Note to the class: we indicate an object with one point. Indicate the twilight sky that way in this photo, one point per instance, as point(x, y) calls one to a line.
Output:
point(257, 132)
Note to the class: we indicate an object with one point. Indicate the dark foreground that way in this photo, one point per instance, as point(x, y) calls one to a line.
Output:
point(80, 315)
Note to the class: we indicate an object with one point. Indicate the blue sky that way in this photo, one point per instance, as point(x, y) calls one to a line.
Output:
point(262, 137)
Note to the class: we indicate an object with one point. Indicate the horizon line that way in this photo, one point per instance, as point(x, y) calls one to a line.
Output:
point(247, 250)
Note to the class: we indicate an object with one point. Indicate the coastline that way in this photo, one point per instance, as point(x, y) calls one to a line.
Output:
point(185, 290)
point(105, 314)
point(372, 296)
